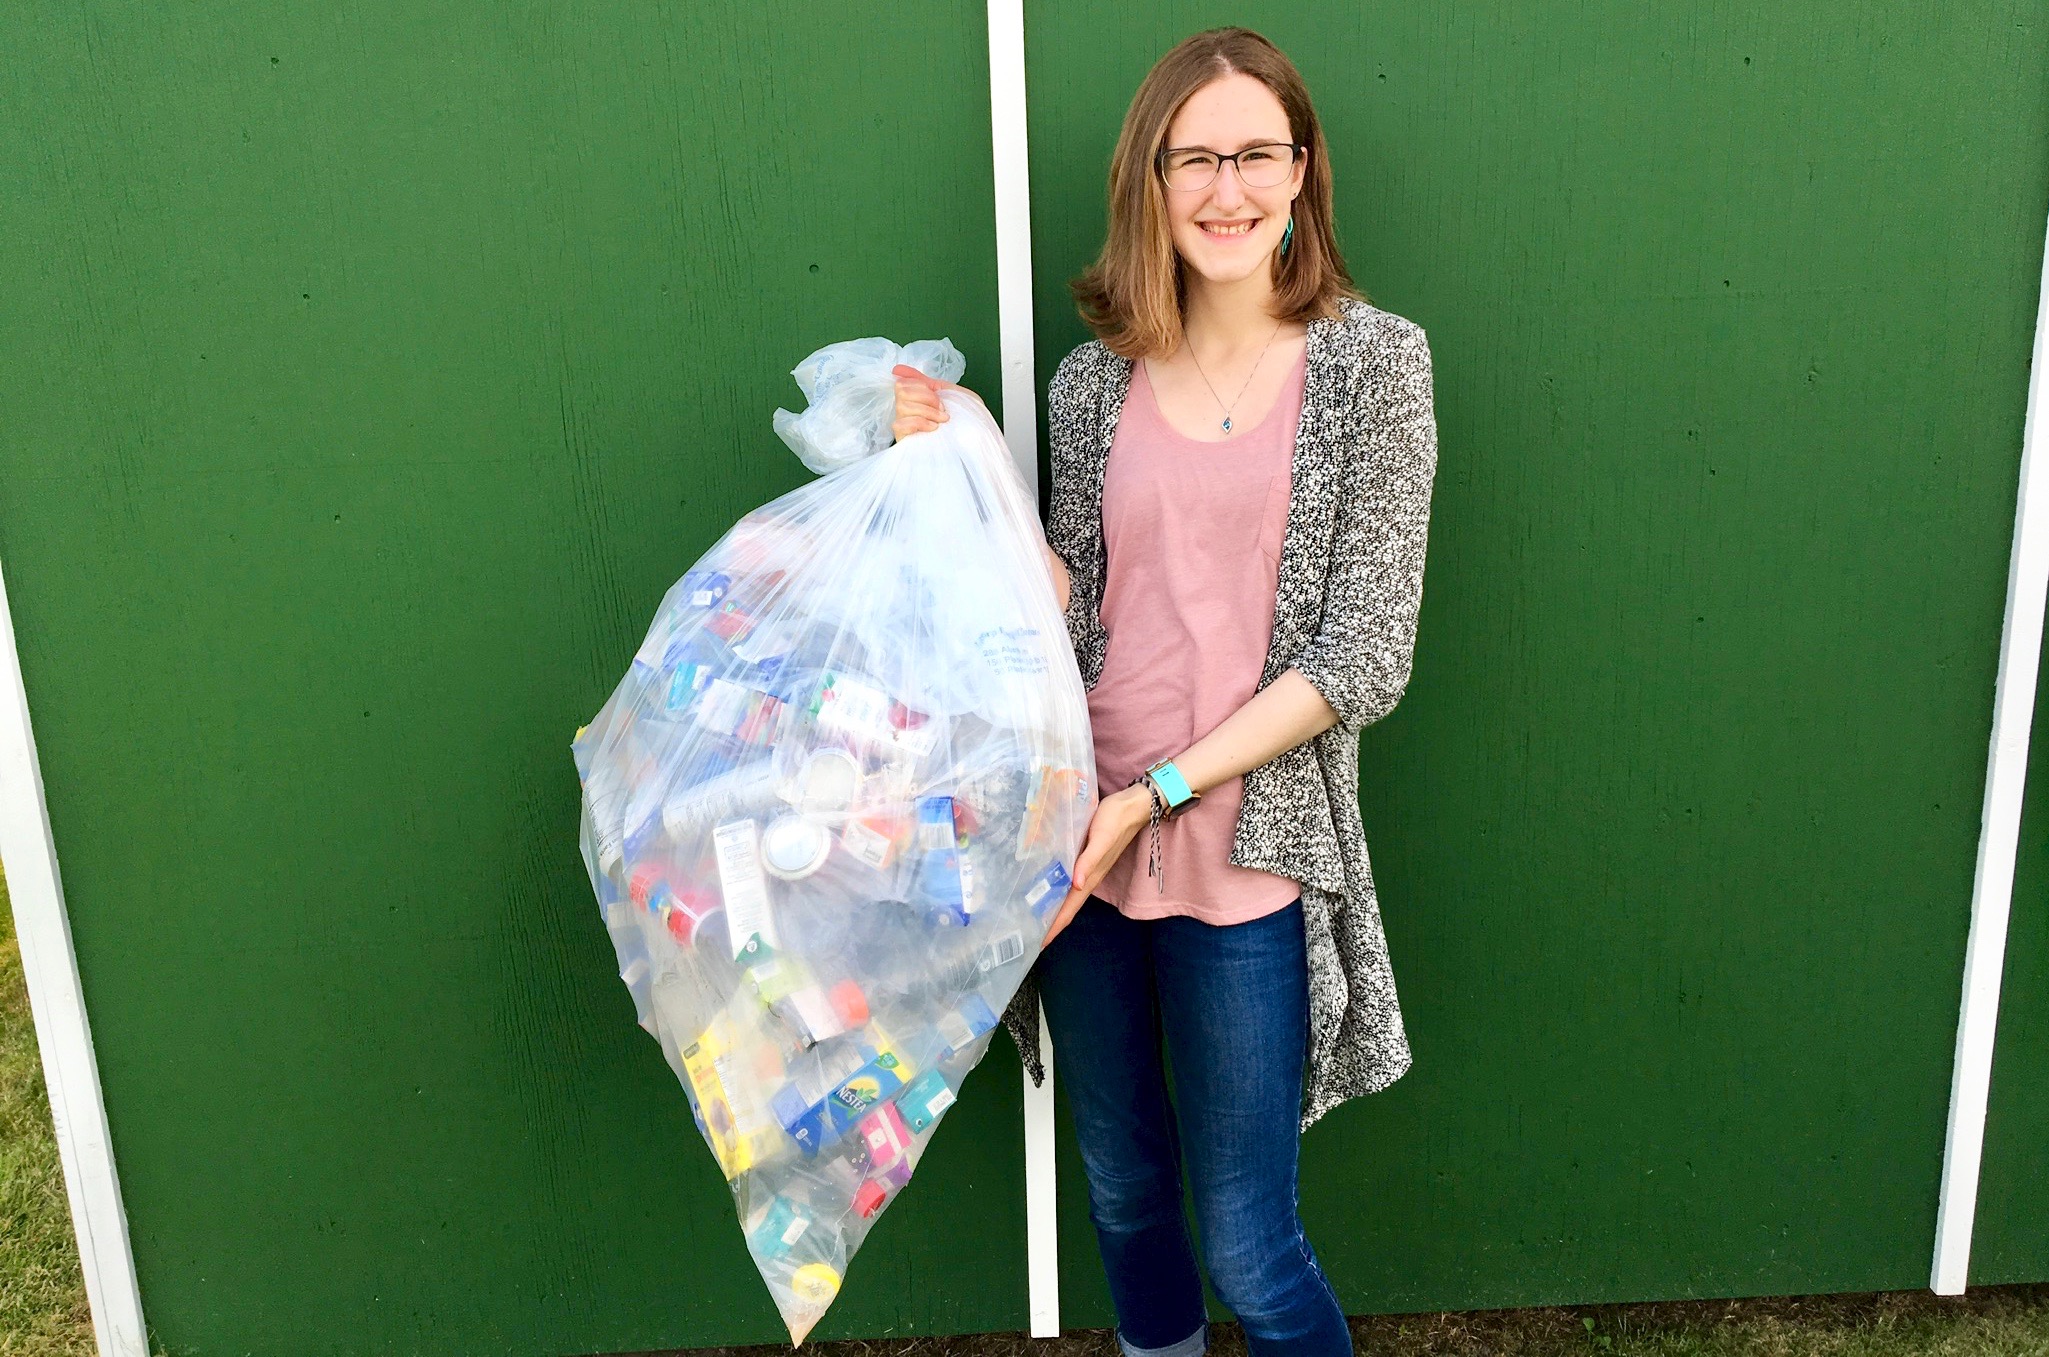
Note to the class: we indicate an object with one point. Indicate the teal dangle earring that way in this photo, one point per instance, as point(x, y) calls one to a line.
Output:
point(1287, 235)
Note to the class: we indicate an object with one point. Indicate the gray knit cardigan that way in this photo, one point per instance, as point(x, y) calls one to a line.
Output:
point(1350, 584)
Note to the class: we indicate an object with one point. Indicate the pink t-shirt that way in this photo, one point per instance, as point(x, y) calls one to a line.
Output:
point(1193, 533)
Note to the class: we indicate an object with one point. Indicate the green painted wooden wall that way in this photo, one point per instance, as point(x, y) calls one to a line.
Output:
point(1675, 828)
point(370, 371)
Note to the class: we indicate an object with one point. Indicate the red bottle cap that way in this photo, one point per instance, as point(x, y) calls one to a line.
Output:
point(850, 1003)
point(685, 914)
point(645, 878)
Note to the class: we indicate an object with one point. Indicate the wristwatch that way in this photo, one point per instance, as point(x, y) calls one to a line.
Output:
point(1171, 788)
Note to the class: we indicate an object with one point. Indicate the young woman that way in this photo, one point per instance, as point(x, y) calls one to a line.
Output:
point(1242, 465)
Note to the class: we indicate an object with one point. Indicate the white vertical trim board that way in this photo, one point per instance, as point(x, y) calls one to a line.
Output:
point(1020, 389)
point(1013, 235)
point(62, 1031)
point(1042, 1206)
point(2006, 768)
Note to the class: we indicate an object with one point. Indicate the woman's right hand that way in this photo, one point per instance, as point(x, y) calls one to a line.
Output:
point(918, 408)
point(1114, 821)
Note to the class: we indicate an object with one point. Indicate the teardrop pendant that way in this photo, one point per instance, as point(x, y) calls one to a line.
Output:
point(1227, 424)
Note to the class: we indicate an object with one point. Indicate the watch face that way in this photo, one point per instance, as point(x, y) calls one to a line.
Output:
point(1173, 787)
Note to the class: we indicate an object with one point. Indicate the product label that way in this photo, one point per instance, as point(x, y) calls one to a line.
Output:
point(959, 1027)
point(781, 1225)
point(859, 1094)
point(685, 684)
point(732, 1125)
point(1048, 889)
point(738, 847)
point(853, 709)
point(1001, 952)
point(935, 824)
point(607, 806)
point(867, 844)
point(953, 1030)
point(882, 1075)
point(706, 587)
point(925, 1099)
point(885, 1136)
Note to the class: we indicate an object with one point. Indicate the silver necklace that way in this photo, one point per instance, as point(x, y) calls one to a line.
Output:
point(1226, 426)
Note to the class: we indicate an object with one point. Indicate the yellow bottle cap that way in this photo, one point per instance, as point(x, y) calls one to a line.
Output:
point(815, 1283)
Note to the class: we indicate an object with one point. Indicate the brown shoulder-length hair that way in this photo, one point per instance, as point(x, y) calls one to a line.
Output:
point(1132, 295)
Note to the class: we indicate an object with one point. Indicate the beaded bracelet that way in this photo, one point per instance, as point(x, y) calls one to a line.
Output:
point(1153, 865)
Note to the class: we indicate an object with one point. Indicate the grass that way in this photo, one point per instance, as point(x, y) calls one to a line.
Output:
point(43, 1309)
point(1999, 1321)
point(1989, 1322)
point(42, 1293)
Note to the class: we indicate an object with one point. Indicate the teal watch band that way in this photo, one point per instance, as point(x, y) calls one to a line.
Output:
point(1173, 787)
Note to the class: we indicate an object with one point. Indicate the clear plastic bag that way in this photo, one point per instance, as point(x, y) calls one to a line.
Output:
point(832, 805)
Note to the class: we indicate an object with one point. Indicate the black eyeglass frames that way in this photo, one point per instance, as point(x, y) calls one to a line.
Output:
point(1188, 168)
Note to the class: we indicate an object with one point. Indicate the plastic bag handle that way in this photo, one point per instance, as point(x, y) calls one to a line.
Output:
point(851, 390)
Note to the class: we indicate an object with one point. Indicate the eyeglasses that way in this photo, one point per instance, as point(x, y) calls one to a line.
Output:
point(1196, 167)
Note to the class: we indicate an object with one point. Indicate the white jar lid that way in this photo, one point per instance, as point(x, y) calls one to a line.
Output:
point(829, 781)
point(793, 846)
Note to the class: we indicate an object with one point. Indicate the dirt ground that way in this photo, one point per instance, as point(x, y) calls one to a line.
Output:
point(2010, 1321)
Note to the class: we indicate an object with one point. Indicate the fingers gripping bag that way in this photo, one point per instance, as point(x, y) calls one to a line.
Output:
point(829, 810)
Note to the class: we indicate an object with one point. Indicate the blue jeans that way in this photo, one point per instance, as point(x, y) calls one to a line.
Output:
point(1232, 1002)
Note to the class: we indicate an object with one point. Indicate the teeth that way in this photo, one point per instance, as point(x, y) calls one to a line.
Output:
point(1237, 230)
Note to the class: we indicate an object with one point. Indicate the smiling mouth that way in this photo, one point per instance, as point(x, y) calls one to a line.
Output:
point(1228, 230)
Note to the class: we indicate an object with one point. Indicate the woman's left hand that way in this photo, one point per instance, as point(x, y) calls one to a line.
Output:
point(1117, 820)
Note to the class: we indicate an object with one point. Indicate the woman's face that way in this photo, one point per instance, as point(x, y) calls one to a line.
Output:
point(1227, 115)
